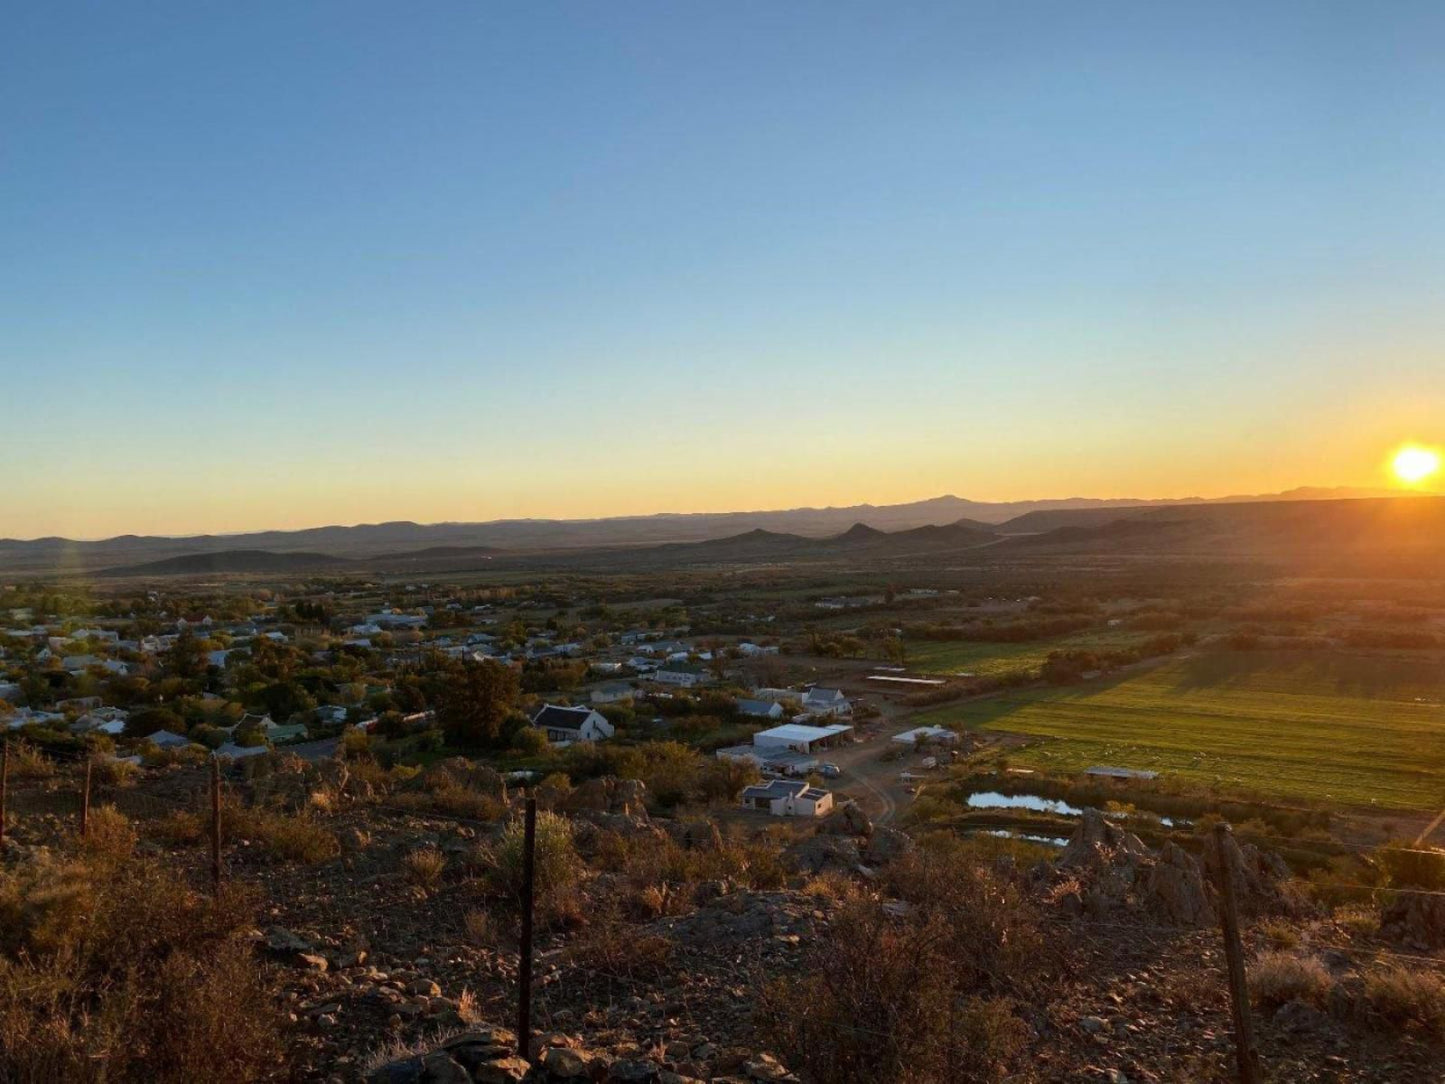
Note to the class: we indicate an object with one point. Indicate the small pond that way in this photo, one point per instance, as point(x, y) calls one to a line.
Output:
point(992, 799)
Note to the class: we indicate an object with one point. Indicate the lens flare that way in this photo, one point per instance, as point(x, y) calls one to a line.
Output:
point(1414, 463)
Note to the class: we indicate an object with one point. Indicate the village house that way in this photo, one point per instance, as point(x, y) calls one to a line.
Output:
point(820, 701)
point(612, 692)
point(759, 709)
point(925, 734)
point(681, 675)
point(788, 798)
point(564, 724)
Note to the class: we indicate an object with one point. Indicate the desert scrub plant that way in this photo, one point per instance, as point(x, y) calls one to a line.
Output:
point(928, 1020)
point(178, 828)
point(28, 762)
point(109, 837)
point(424, 866)
point(1404, 999)
point(558, 868)
point(1278, 977)
point(1358, 920)
point(109, 772)
point(290, 837)
point(481, 930)
point(1279, 933)
point(120, 971)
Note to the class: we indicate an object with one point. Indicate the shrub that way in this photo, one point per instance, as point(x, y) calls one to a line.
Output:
point(1280, 933)
point(1277, 977)
point(291, 837)
point(424, 866)
point(28, 762)
point(481, 930)
point(937, 984)
point(557, 867)
point(1405, 999)
point(119, 971)
point(178, 828)
point(107, 772)
point(109, 836)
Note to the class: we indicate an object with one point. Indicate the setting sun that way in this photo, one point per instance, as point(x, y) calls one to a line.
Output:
point(1413, 463)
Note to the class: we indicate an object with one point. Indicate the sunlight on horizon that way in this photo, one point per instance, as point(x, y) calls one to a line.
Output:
point(1414, 464)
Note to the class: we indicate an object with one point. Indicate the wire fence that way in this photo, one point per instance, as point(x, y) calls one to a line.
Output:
point(564, 985)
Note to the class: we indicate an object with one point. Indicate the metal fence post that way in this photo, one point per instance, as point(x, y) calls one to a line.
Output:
point(4, 783)
point(85, 802)
point(524, 976)
point(215, 824)
point(1246, 1053)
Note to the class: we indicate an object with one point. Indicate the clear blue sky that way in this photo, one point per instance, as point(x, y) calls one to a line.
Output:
point(279, 264)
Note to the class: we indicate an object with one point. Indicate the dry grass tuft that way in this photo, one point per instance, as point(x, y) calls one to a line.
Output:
point(1277, 977)
point(1408, 1000)
point(424, 866)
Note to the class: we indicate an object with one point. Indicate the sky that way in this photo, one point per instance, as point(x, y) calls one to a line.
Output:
point(283, 264)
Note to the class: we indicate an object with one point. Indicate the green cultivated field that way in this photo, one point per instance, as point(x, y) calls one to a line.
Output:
point(1356, 730)
point(991, 659)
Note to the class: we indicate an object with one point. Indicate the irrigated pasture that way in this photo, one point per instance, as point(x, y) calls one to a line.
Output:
point(1351, 729)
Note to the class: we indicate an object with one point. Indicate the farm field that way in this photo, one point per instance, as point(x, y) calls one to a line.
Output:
point(992, 659)
point(1349, 729)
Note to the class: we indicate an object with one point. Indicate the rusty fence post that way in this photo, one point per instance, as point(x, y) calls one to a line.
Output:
point(4, 783)
point(85, 801)
point(524, 975)
point(216, 824)
point(1246, 1054)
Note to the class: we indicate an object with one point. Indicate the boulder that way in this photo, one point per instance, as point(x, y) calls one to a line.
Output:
point(886, 844)
point(821, 853)
point(1414, 920)
point(1096, 842)
point(696, 835)
point(1176, 889)
point(847, 820)
point(1257, 877)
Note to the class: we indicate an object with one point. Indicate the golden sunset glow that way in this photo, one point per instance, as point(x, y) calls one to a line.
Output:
point(1415, 463)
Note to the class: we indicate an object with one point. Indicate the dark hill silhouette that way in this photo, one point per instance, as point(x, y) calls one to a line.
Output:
point(231, 561)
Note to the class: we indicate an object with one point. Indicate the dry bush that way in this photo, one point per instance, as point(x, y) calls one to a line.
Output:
point(1279, 933)
point(109, 837)
point(290, 837)
point(481, 930)
point(831, 885)
point(424, 866)
point(646, 862)
point(112, 773)
point(615, 948)
point(882, 1000)
point(1408, 1000)
point(1360, 921)
point(118, 971)
point(1278, 977)
point(178, 828)
point(452, 800)
point(557, 867)
point(28, 762)
point(922, 993)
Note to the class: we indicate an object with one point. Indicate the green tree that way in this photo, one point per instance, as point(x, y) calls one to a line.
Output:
point(474, 702)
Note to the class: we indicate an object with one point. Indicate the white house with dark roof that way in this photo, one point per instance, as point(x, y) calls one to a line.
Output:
point(759, 709)
point(680, 674)
point(820, 701)
point(788, 798)
point(564, 724)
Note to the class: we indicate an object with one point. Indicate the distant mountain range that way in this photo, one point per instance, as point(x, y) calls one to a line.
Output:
point(942, 523)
